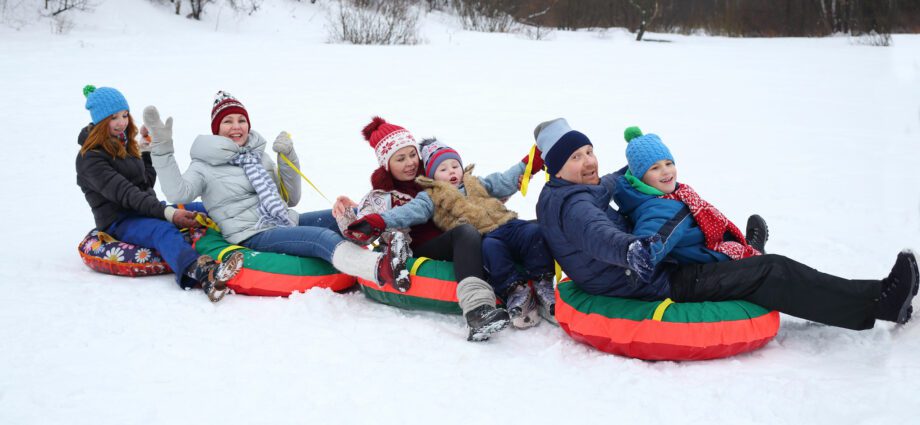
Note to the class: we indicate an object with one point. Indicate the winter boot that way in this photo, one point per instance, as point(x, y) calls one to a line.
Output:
point(484, 321)
point(213, 276)
point(546, 297)
point(898, 289)
point(522, 306)
point(354, 260)
point(399, 252)
point(757, 233)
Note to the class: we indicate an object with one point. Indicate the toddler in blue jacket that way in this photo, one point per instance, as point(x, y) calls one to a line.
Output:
point(453, 196)
point(691, 229)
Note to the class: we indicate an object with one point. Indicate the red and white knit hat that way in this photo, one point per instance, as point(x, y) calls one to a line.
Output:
point(225, 104)
point(386, 139)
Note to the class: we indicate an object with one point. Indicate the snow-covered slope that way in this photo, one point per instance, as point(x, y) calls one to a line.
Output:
point(819, 136)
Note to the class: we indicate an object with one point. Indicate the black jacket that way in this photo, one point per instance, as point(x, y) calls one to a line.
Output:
point(116, 187)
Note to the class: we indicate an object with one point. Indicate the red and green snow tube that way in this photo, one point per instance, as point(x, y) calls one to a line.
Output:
point(271, 274)
point(663, 330)
point(433, 288)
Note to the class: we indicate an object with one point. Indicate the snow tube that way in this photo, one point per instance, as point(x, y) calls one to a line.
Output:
point(663, 330)
point(433, 288)
point(103, 253)
point(271, 274)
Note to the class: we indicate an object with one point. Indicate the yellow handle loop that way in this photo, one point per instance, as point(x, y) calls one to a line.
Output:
point(659, 311)
point(207, 222)
point(293, 167)
point(418, 263)
point(225, 251)
point(528, 170)
point(558, 270)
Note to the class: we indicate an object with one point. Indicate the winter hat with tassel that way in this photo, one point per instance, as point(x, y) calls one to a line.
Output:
point(225, 104)
point(386, 139)
point(643, 151)
point(103, 102)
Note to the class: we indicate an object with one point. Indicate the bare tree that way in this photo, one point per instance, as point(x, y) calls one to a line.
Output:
point(374, 22)
point(57, 7)
point(648, 11)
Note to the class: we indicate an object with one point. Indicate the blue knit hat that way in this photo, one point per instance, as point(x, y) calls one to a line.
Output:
point(643, 151)
point(103, 102)
point(434, 153)
point(557, 141)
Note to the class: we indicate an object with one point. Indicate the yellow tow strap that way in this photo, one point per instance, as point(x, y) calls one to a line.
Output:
point(293, 167)
point(659, 311)
point(525, 179)
point(558, 270)
point(418, 263)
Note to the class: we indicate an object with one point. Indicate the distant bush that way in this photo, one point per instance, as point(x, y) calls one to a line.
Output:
point(486, 15)
point(374, 22)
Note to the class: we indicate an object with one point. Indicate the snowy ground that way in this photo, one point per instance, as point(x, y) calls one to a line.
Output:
point(819, 136)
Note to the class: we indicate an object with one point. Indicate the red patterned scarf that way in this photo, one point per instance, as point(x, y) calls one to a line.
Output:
point(713, 224)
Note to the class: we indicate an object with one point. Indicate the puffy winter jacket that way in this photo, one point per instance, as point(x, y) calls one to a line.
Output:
point(116, 187)
point(224, 188)
point(649, 214)
point(589, 239)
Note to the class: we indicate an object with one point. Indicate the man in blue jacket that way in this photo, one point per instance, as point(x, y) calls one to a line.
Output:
point(592, 243)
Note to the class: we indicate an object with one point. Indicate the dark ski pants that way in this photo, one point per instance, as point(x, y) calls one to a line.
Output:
point(462, 245)
point(161, 235)
point(779, 283)
point(515, 242)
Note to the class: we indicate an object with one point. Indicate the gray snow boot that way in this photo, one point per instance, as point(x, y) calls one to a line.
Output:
point(484, 321)
point(522, 306)
point(546, 297)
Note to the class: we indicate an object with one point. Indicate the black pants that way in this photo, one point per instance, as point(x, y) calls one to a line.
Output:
point(462, 245)
point(779, 283)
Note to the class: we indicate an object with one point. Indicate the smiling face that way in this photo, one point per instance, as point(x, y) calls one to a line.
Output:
point(118, 123)
point(581, 167)
point(449, 171)
point(403, 164)
point(662, 175)
point(235, 127)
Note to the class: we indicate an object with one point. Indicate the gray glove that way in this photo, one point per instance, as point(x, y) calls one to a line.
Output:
point(160, 133)
point(283, 144)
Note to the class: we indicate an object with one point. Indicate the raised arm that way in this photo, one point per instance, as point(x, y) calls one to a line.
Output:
point(178, 187)
point(290, 178)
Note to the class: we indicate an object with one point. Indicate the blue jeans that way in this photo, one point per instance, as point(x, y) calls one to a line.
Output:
point(316, 235)
point(161, 235)
point(515, 242)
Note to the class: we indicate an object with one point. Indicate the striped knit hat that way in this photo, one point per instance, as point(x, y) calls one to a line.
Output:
point(386, 139)
point(225, 104)
point(434, 153)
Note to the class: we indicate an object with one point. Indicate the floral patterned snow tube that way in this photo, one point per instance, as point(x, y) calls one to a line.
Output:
point(105, 254)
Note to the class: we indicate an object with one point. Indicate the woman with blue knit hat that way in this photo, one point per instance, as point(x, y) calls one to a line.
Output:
point(605, 254)
point(116, 176)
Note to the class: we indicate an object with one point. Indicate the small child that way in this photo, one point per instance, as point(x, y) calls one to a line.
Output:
point(691, 229)
point(453, 196)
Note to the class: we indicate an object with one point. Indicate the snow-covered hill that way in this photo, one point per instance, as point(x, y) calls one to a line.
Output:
point(819, 136)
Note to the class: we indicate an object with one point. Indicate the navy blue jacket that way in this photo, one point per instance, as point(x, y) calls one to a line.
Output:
point(649, 214)
point(589, 239)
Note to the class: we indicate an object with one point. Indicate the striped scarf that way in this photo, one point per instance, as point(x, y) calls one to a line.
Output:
point(272, 210)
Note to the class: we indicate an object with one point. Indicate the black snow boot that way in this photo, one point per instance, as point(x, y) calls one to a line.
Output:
point(898, 289)
point(485, 320)
point(757, 233)
point(213, 276)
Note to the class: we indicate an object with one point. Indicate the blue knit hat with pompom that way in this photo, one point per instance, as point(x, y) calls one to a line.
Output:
point(643, 151)
point(103, 101)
